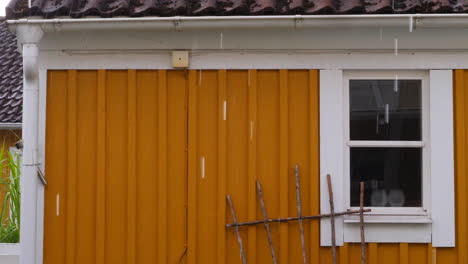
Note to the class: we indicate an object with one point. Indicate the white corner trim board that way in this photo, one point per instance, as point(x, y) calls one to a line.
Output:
point(31, 224)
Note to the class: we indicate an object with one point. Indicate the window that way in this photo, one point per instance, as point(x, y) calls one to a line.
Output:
point(386, 146)
point(394, 131)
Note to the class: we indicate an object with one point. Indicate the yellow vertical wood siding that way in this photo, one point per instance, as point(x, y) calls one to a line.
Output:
point(142, 161)
point(9, 137)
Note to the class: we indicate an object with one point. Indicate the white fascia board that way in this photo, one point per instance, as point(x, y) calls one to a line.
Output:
point(442, 158)
point(9, 126)
point(254, 60)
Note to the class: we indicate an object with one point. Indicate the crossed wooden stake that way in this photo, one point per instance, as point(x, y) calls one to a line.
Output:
point(266, 221)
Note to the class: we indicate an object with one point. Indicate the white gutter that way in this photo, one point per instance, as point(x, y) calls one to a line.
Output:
point(10, 126)
point(179, 23)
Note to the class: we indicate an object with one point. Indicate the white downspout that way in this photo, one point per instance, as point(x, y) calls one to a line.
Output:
point(30, 184)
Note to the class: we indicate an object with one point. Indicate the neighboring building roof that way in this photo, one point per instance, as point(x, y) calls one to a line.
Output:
point(111, 8)
point(11, 77)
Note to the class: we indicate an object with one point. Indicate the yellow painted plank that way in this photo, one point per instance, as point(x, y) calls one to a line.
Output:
point(222, 116)
point(55, 215)
point(131, 173)
point(298, 153)
point(268, 158)
point(373, 253)
point(252, 164)
point(388, 253)
point(72, 167)
point(177, 170)
point(86, 166)
point(403, 253)
point(147, 192)
point(314, 164)
point(343, 254)
point(101, 168)
point(284, 160)
point(237, 137)
point(192, 168)
point(431, 254)
point(116, 166)
point(460, 96)
point(162, 166)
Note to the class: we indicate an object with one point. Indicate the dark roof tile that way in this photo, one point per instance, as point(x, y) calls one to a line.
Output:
point(11, 77)
point(111, 8)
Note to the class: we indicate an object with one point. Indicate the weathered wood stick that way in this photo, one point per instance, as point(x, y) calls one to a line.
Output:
point(239, 238)
point(265, 222)
point(361, 221)
point(332, 218)
point(295, 218)
point(299, 213)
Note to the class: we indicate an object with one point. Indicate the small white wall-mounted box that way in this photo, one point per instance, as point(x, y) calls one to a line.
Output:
point(180, 59)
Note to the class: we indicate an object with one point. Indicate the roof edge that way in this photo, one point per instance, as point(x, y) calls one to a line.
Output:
point(182, 23)
point(10, 126)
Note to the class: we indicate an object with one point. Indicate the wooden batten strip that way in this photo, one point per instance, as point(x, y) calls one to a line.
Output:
point(344, 254)
point(101, 168)
point(131, 173)
point(403, 253)
point(314, 164)
point(429, 255)
point(373, 253)
point(71, 168)
point(222, 97)
point(252, 165)
point(192, 167)
point(162, 166)
point(284, 159)
point(460, 98)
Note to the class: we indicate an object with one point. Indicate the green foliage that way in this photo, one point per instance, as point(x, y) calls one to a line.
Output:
point(10, 171)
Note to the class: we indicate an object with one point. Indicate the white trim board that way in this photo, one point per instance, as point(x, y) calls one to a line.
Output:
point(255, 60)
point(442, 159)
point(331, 151)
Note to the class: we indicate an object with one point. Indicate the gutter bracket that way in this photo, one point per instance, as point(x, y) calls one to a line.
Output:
point(177, 24)
point(298, 19)
point(57, 25)
point(417, 22)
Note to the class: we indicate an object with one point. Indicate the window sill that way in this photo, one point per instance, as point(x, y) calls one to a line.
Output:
point(389, 219)
point(389, 228)
point(10, 249)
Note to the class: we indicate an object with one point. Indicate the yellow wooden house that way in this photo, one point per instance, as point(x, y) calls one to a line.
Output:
point(144, 115)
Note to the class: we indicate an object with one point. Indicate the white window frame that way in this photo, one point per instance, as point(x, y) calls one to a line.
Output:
point(398, 213)
point(436, 225)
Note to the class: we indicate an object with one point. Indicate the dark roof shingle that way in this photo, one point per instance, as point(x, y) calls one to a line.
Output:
point(11, 77)
point(134, 8)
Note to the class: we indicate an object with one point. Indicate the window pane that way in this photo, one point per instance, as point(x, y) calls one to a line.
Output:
point(392, 176)
point(383, 110)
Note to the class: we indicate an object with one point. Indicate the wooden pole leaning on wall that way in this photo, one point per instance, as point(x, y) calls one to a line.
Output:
point(332, 218)
point(299, 213)
point(361, 222)
point(265, 222)
point(239, 238)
